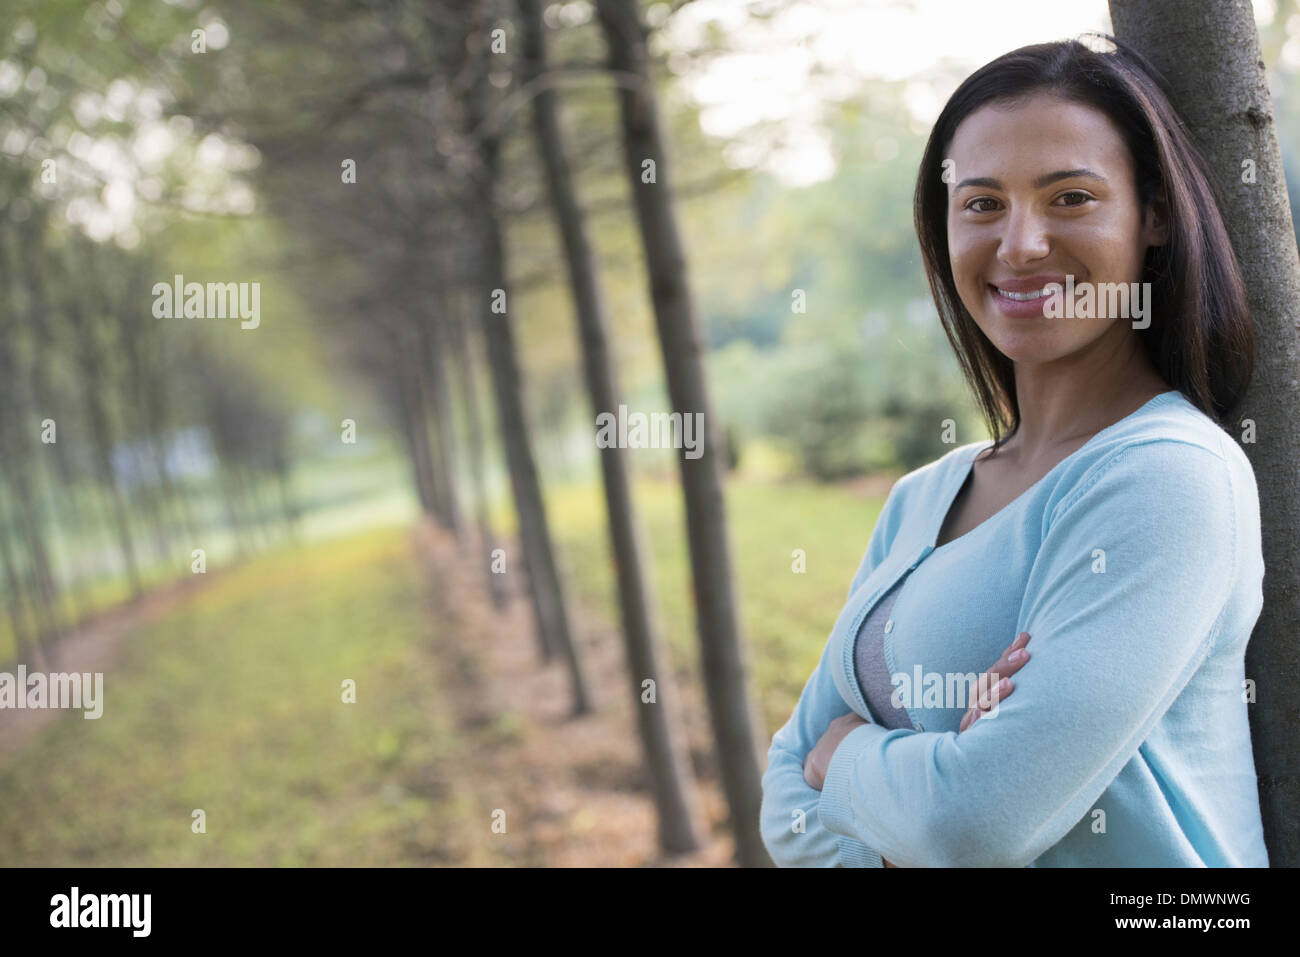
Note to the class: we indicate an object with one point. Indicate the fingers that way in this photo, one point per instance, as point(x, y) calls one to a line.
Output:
point(991, 693)
point(986, 703)
point(995, 684)
point(1014, 658)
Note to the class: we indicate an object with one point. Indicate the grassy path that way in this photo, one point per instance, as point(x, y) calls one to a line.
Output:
point(230, 702)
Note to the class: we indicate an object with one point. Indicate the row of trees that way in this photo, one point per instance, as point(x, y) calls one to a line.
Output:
point(411, 207)
point(109, 430)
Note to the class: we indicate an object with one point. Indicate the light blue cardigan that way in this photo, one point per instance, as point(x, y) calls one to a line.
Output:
point(1135, 566)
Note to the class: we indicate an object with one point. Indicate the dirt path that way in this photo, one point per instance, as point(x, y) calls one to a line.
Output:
point(572, 789)
point(96, 646)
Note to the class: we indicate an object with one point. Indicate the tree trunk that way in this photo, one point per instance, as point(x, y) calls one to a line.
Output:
point(411, 412)
point(93, 396)
point(666, 765)
point(14, 597)
point(234, 517)
point(474, 439)
point(434, 346)
point(543, 572)
point(722, 654)
point(119, 511)
point(1209, 52)
point(46, 603)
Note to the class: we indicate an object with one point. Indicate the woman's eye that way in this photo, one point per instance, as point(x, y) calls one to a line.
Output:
point(1082, 197)
point(979, 199)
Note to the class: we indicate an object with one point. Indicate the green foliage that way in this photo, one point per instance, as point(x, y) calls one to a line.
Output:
point(824, 412)
point(916, 430)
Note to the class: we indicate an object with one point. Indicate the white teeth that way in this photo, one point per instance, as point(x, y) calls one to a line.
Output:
point(1022, 296)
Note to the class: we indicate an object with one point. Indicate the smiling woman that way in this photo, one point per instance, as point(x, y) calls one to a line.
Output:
point(1111, 517)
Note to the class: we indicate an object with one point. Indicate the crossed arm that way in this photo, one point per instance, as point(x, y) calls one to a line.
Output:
point(988, 691)
point(816, 762)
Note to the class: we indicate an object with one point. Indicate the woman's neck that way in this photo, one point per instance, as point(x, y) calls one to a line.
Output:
point(1065, 403)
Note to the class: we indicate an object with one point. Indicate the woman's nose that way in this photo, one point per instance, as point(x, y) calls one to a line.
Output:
point(1024, 239)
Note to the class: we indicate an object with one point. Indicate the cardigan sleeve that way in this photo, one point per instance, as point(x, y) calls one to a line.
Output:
point(1123, 602)
point(791, 828)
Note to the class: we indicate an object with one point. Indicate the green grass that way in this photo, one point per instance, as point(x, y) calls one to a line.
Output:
point(232, 704)
point(334, 499)
point(785, 616)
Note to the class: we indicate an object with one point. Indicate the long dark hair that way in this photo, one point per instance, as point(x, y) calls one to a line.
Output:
point(1201, 338)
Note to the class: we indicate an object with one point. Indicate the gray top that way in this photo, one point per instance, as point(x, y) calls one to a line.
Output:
point(869, 663)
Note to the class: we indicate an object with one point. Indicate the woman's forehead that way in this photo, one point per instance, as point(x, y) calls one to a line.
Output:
point(1036, 137)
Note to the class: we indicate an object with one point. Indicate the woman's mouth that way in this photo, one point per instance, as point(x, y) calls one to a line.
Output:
point(1022, 296)
point(1027, 304)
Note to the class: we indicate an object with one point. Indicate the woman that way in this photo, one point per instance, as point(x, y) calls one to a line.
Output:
point(1081, 268)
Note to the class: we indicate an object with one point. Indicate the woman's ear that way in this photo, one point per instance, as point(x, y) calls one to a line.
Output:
point(1156, 221)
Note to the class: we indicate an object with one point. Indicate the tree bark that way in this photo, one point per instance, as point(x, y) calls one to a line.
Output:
point(45, 588)
point(433, 341)
point(14, 597)
point(411, 411)
point(722, 653)
point(543, 572)
point(1209, 53)
point(474, 440)
point(666, 766)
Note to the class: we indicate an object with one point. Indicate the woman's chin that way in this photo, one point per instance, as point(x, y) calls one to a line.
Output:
point(1027, 347)
point(1018, 339)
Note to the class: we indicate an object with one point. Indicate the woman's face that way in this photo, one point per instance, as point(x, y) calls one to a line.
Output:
point(1039, 192)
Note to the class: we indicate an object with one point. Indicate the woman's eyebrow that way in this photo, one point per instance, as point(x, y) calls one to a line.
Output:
point(1045, 180)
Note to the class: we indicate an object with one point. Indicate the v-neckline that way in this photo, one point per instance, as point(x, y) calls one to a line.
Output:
point(966, 473)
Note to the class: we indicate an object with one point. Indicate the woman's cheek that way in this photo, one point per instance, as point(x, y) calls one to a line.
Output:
point(963, 276)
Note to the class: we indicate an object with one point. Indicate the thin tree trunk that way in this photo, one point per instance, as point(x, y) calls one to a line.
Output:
point(173, 502)
point(722, 654)
point(1209, 52)
point(666, 765)
point(93, 394)
point(417, 441)
point(432, 444)
point(539, 556)
point(233, 516)
point(45, 592)
point(474, 439)
point(434, 346)
point(121, 522)
point(285, 500)
point(247, 506)
point(72, 530)
point(23, 647)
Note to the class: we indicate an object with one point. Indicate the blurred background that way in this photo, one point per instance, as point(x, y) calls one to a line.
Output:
point(363, 588)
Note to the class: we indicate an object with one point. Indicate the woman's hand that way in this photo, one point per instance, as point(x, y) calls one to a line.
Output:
point(819, 758)
point(1012, 660)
